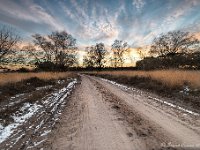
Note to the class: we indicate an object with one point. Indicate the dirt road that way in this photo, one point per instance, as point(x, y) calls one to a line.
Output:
point(103, 116)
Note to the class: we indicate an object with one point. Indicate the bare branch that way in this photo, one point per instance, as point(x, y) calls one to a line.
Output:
point(8, 40)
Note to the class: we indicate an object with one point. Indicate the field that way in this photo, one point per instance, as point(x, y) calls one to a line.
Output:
point(6, 78)
point(170, 78)
point(179, 86)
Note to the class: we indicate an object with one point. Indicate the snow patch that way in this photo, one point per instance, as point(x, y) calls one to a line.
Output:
point(1, 127)
point(28, 111)
point(186, 89)
point(45, 133)
point(36, 144)
point(44, 87)
point(19, 95)
point(61, 81)
point(174, 106)
point(18, 138)
point(119, 85)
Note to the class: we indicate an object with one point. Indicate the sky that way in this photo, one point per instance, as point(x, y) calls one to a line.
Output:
point(93, 21)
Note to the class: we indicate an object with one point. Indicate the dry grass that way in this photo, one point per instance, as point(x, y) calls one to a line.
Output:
point(16, 77)
point(170, 78)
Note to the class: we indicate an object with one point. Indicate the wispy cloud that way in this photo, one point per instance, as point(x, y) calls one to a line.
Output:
point(139, 4)
point(91, 21)
point(29, 11)
point(45, 17)
point(97, 26)
point(179, 12)
point(180, 16)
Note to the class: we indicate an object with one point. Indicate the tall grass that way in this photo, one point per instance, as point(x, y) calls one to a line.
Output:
point(16, 77)
point(170, 78)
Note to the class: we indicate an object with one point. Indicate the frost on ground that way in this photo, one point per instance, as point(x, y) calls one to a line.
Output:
point(44, 87)
point(117, 84)
point(126, 88)
point(26, 112)
point(32, 122)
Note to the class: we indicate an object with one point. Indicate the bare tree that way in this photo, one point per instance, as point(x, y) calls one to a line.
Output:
point(8, 40)
point(89, 58)
point(95, 56)
point(45, 45)
point(173, 43)
point(119, 48)
point(59, 47)
point(30, 51)
point(64, 48)
point(100, 53)
point(112, 61)
point(141, 53)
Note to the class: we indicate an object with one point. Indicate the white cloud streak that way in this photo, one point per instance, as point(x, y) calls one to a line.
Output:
point(96, 22)
point(28, 11)
point(96, 27)
point(138, 4)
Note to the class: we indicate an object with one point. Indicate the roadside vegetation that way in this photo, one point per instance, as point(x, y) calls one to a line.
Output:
point(32, 106)
point(6, 78)
point(169, 78)
point(12, 84)
point(180, 86)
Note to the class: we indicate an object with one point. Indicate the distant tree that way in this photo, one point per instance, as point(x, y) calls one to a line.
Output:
point(119, 48)
point(139, 50)
point(18, 59)
point(31, 52)
point(45, 45)
point(112, 62)
point(8, 40)
point(89, 58)
point(64, 48)
point(95, 56)
point(100, 53)
point(59, 47)
point(172, 43)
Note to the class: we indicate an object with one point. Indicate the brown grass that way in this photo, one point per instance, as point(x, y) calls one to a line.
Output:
point(17, 77)
point(170, 78)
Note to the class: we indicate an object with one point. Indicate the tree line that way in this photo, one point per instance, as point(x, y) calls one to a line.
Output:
point(175, 49)
point(58, 51)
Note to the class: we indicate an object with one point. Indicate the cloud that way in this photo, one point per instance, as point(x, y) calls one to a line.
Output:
point(97, 26)
point(120, 10)
point(11, 8)
point(173, 18)
point(45, 17)
point(80, 11)
point(195, 27)
point(197, 35)
point(177, 13)
point(29, 11)
point(103, 21)
point(138, 4)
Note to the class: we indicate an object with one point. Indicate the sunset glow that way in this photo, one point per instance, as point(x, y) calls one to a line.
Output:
point(90, 21)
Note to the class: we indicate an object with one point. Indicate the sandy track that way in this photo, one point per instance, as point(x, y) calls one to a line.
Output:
point(97, 129)
point(101, 116)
